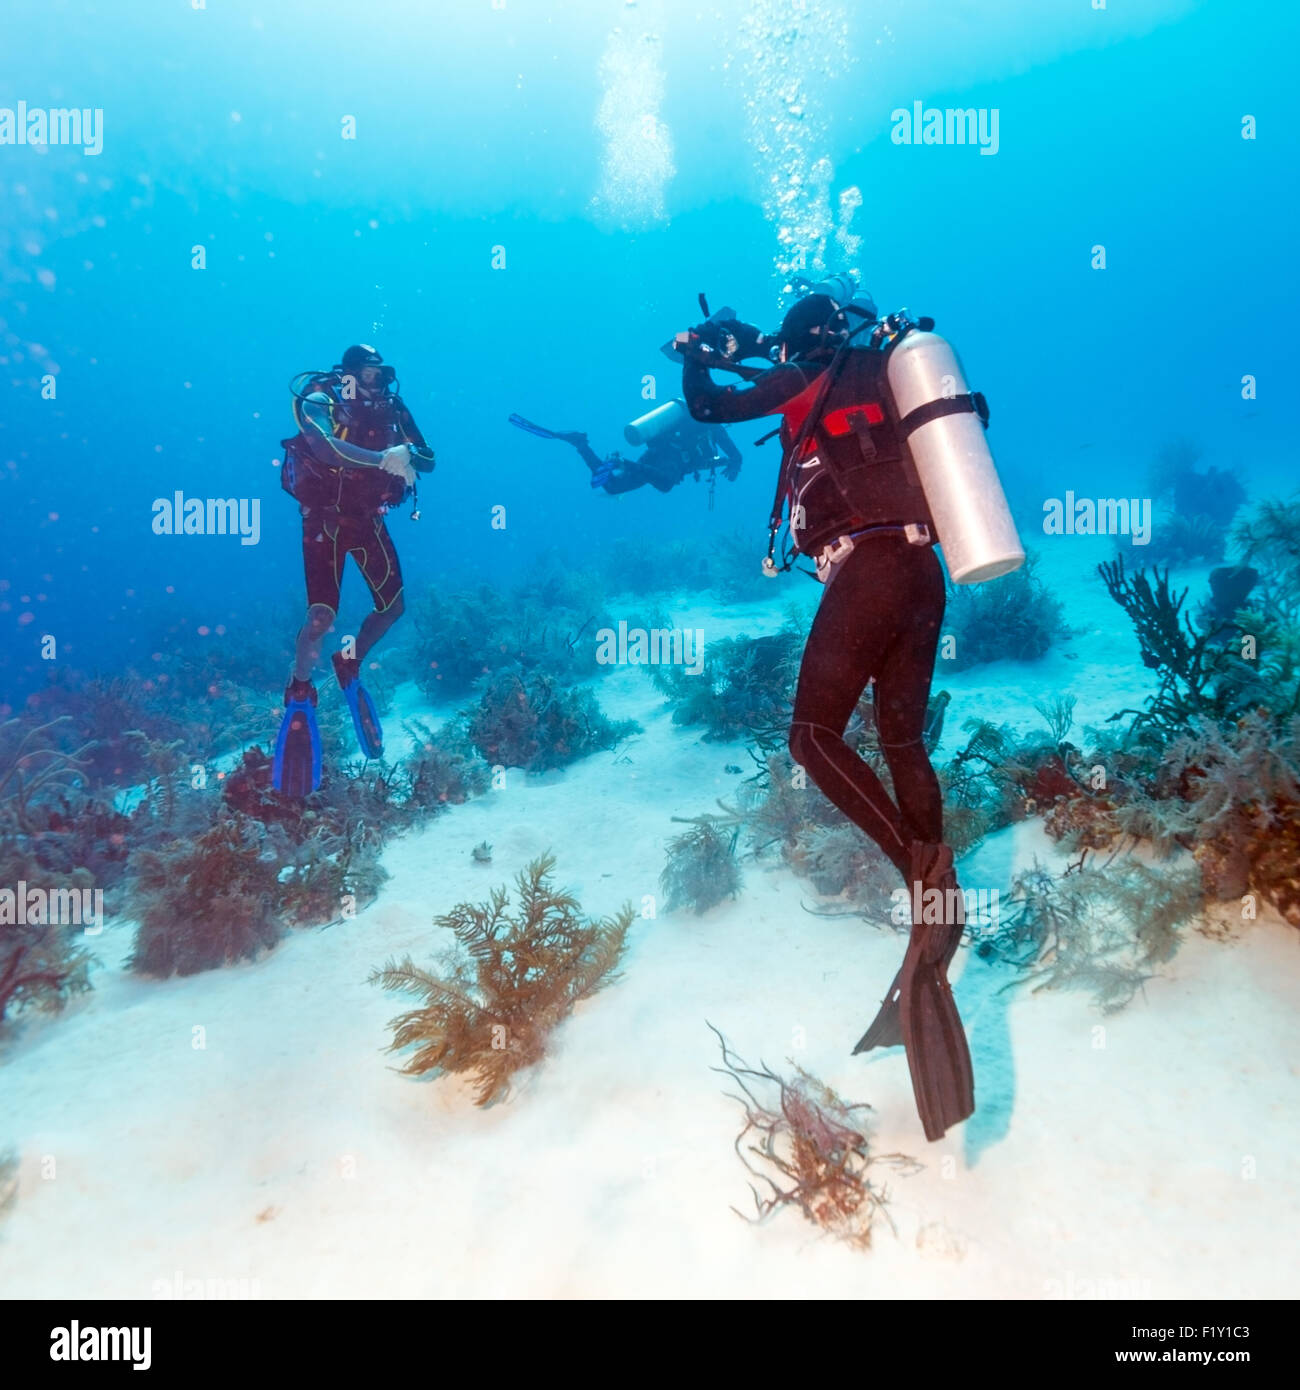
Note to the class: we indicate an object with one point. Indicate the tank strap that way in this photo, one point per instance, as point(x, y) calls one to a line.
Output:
point(972, 403)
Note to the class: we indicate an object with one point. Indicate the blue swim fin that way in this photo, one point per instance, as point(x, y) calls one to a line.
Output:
point(365, 718)
point(295, 770)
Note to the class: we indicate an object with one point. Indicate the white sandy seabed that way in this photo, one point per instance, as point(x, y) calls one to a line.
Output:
point(1147, 1154)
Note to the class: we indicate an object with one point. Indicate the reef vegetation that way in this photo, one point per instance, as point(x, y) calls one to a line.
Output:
point(1195, 507)
point(1016, 619)
point(517, 977)
point(701, 870)
point(529, 719)
point(807, 1150)
point(745, 691)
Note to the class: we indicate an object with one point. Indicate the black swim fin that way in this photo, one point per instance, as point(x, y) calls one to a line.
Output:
point(295, 769)
point(937, 1053)
point(919, 1010)
point(886, 1028)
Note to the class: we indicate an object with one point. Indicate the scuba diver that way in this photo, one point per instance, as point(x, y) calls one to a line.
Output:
point(857, 508)
point(676, 447)
point(355, 456)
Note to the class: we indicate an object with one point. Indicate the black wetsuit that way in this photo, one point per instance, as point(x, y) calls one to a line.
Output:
point(689, 450)
point(883, 604)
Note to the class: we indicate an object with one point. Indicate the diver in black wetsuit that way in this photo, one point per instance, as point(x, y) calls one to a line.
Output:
point(687, 449)
point(857, 509)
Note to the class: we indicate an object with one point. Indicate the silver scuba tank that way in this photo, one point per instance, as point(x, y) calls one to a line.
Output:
point(656, 422)
point(956, 470)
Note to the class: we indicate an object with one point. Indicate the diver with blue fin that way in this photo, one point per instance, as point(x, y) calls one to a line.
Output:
point(356, 455)
point(883, 456)
point(676, 448)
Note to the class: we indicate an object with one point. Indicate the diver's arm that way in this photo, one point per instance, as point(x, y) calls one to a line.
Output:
point(728, 446)
point(319, 433)
point(411, 433)
point(765, 395)
point(662, 468)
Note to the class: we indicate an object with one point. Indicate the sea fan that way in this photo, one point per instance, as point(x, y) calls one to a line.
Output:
point(520, 976)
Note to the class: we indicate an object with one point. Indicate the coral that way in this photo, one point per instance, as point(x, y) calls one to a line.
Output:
point(1095, 929)
point(701, 870)
point(32, 767)
point(107, 718)
point(1274, 859)
point(1269, 538)
point(329, 876)
point(1230, 587)
point(1080, 821)
point(40, 968)
point(841, 861)
point(811, 1148)
point(1230, 794)
point(519, 977)
point(1179, 539)
point(444, 770)
point(206, 902)
point(1207, 500)
point(1014, 618)
point(528, 720)
point(1198, 673)
point(745, 690)
point(781, 807)
point(247, 790)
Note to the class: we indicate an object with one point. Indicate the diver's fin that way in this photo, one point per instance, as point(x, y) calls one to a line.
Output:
point(365, 718)
point(539, 430)
point(886, 1028)
point(295, 769)
point(937, 1052)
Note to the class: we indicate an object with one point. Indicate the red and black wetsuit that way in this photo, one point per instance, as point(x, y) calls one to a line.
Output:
point(342, 491)
point(883, 603)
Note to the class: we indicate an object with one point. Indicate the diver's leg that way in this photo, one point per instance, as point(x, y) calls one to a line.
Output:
point(902, 694)
point(579, 441)
point(854, 625)
point(323, 567)
point(377, 559)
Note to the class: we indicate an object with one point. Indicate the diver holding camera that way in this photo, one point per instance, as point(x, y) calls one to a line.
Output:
point(861, 421)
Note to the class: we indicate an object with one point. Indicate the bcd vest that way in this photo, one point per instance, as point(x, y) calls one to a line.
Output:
point(854, 470)
point(369, 424)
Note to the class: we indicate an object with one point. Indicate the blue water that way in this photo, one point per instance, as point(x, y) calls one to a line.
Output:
point(477, 128)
